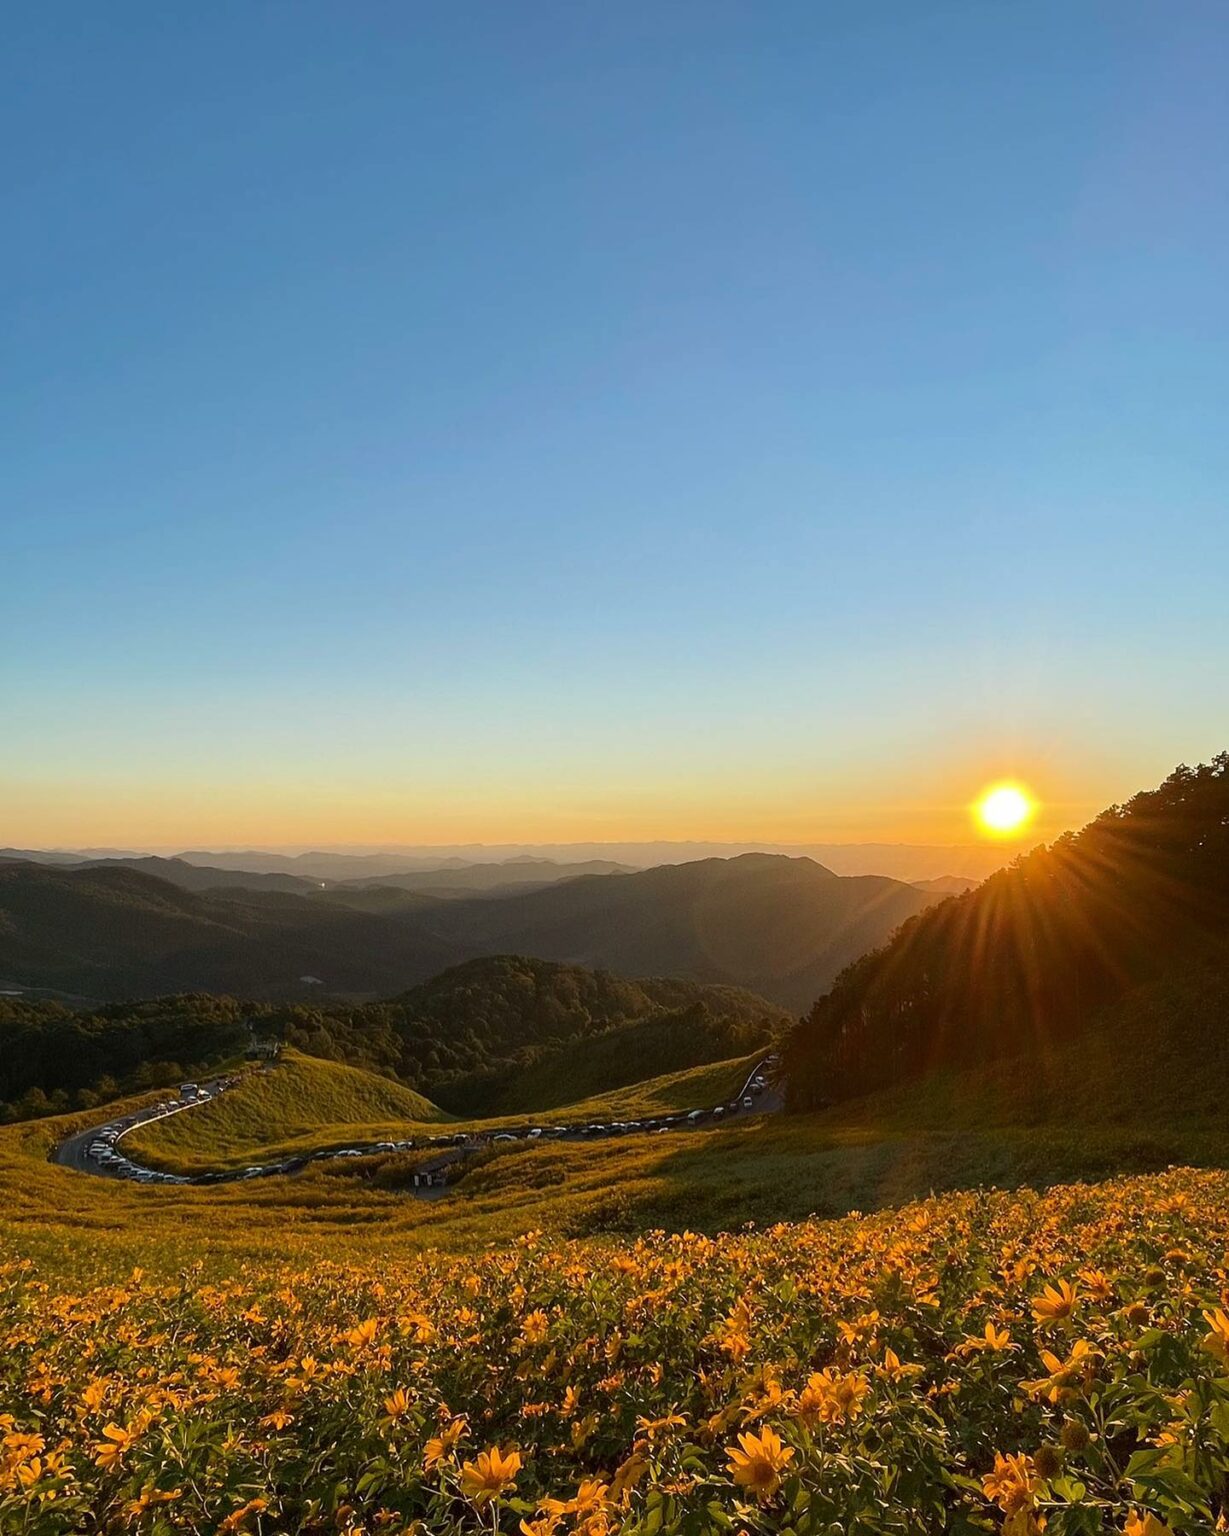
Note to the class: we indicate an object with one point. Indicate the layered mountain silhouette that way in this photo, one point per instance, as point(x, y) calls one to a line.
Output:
point(782, 927)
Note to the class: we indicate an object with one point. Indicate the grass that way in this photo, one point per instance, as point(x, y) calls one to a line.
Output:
point(297, 1105)
point(592, 1067)
point(1137, 1098)
point(758, 1171)
point(304, 1104)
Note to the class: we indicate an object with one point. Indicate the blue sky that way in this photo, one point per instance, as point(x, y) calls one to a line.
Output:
point(581, 420)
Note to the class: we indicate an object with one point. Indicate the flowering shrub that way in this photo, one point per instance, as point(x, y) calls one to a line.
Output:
point(979, 1362)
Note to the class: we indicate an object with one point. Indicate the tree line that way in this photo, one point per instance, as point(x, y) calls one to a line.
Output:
point(458, 1034)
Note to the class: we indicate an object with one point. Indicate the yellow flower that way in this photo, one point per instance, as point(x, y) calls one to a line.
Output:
point(893, 1366)
point(991, 1338)
point(1216, 1340)
point(541, 1525)
point(442, 1445)
point(492, 1473)
point(654, 1427)
point(1145, 1525)
point(1066, 1377)
point(239, 1516)
point(363, 1336)
point(590, 1496)
point(1013, 1484)
point(1056, 1303)
point(831, 1398)
point(1098, 1284)
point(110, 1449)
point(396, 1406)
point(151, 1496)
point(533, 1329)
point(758, 1463)
point(20, 1447)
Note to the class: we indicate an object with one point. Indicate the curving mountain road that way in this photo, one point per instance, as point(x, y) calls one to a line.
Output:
point(97, 1150)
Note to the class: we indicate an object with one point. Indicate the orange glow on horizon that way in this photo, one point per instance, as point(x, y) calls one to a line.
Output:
point(793, 808)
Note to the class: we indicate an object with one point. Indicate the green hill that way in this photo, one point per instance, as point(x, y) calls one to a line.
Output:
point(499, 1035)
point(1021, 965)
point(302, 1105)
point(299, 1104)
point(598, 1065)
point(482, 1035)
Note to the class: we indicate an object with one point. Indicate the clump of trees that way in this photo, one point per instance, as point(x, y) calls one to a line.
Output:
point(54, 1058)
point(1025, 960)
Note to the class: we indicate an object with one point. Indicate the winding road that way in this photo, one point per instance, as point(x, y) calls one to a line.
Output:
point(98, 1151)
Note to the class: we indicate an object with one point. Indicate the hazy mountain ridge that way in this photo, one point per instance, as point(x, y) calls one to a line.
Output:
point(899, 861)
point(781, 927)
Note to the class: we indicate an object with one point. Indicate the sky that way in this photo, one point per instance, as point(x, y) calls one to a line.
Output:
point(568, 422)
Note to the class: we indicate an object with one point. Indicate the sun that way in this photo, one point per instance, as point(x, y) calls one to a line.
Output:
point(1004, 809)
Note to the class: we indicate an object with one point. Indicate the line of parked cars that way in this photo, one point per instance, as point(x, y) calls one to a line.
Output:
point(103, 1149)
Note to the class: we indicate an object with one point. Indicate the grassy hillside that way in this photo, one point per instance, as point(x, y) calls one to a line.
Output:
point(298, 1102)
point(468, 1037)
point(1137, 1096)
point(1089, 1109)
point(592, 1067)
point(1025, 961)
point(508, 1033)
point(303, 1105)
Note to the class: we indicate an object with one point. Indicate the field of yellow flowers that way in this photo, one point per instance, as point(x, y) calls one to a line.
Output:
point(976, 1362)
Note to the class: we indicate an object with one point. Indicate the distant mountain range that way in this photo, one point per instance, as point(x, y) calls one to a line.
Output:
point(456, 879)
point(782, 927)
point(901, 861)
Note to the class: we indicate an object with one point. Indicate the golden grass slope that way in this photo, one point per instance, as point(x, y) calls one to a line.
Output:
point(299, 1103)
point(304, 1104)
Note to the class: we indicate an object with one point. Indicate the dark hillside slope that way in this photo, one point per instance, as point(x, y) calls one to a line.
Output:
point(198, 877)
point(1020, 964)
point(508, 875)
point(779, 926)
point(530, 1032)
point(469, 1033)
point(114, 932)
point(782, 927)
point(472, 1035)
point(75, 929)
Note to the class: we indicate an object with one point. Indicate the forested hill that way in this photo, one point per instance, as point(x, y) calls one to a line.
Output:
point(1023, 962)
point(782, 927)
point(467, 1034)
